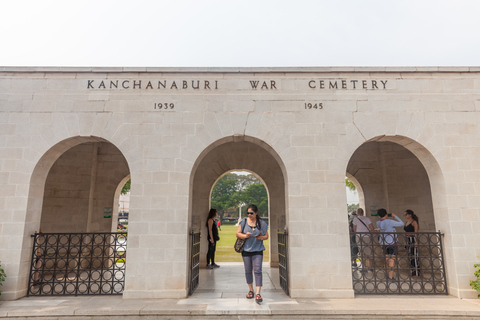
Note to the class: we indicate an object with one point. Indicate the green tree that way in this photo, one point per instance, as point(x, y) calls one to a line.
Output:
point(225, 193)
point(350, 184)
point(126, 187)
point(352, 207)
point(256, 194)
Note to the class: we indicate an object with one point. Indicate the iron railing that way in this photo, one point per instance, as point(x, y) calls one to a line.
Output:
point(398, 263)
point(283, 261)
point(77, 264)
point(194, 261)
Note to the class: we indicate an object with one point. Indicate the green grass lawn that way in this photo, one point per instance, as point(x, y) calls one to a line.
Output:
point(225, 251)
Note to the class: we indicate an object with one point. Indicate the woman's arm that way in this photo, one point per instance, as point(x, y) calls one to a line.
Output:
point(240, 234)
point(264, 237)
point(370, 227)
point(210, 224)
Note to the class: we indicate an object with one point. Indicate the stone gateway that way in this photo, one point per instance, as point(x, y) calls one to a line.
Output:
point(409, 138)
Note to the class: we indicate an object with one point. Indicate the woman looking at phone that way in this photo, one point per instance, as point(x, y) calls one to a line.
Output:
point(256, 231)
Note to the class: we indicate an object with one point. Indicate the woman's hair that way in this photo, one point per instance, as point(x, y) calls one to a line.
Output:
point(360, 211)
point(414, 216)
point(211, 215)
point(255, 209)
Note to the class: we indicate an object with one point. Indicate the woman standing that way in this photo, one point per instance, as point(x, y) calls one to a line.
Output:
point(256, 231)
point(411, 227)
point(212, 239)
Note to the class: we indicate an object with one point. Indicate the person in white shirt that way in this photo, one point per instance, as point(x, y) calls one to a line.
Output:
point(389, 241)
point(364, 224)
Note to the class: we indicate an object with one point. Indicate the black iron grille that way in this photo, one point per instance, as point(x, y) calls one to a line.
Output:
point(194, 261)
point(78, 264)
point(398, 263)
point(283, 261)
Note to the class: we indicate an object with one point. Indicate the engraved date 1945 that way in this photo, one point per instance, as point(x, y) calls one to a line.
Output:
point(317, 105)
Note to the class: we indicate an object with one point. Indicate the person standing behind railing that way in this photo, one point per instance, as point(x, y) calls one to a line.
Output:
point(389, 241)
point(364, 224)
point(411, 227)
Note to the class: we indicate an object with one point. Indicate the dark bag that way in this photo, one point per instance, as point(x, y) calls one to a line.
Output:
point(240, 242)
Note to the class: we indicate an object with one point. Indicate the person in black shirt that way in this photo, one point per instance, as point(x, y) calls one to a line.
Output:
point(212, 239)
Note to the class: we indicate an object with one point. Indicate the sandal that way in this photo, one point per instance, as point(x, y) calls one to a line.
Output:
point(258, 298)
point(250, 295)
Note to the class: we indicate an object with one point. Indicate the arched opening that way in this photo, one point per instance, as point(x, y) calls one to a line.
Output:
point(238, 153)
point(396, 173)
point(392, 177)
point(356, 196)
point(121, 206)
point(72, 193)
point(230, 196)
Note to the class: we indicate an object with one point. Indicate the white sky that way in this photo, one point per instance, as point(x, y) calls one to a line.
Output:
point(242, 33)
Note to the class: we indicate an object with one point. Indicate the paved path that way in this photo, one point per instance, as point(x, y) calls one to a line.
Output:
point(221, 296)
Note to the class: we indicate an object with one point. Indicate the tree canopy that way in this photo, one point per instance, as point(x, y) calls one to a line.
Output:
point(233, 190)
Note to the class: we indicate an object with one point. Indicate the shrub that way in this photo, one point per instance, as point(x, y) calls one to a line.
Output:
point(2, 277)
point(475, 284)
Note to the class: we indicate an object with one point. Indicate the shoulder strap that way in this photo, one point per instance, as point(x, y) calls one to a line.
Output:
point(244, 223)
point(363, 223)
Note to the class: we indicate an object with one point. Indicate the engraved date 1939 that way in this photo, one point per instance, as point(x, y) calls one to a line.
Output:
point(317, 105)
point(163, 106)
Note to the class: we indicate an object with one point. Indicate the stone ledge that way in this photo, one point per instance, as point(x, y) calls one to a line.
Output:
point(347, 69)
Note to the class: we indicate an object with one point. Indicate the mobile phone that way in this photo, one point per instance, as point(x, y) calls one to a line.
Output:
point(389, 214)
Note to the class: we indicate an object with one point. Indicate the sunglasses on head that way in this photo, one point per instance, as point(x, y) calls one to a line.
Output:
point(250, 212)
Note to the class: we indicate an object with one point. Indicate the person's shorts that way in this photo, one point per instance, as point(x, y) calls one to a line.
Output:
point(390, 249)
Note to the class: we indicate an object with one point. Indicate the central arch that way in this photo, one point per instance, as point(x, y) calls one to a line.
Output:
point(238, 153)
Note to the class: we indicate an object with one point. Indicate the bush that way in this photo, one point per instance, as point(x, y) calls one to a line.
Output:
point(475, 284)
point(2, 277)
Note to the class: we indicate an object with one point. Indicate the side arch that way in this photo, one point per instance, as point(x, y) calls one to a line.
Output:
point(39, 198)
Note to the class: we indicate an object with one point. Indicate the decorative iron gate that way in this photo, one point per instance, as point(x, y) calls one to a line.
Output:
point(398, 263)
point(195, 261)
point(77, 264)
point(283, 261)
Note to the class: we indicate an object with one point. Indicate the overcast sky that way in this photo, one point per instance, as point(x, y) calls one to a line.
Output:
point(239, 33)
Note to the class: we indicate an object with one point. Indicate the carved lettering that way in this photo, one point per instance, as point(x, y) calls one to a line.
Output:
point(345, 84)
point(264, 86)
point(163, 84)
